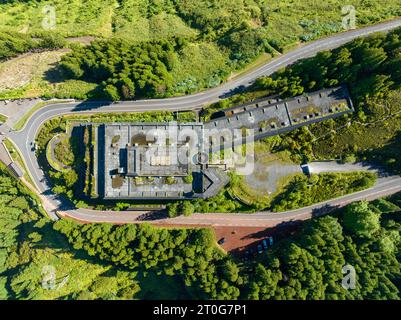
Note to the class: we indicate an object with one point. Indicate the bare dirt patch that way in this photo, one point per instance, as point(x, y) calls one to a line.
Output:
point(239, 239)
point(20, 71)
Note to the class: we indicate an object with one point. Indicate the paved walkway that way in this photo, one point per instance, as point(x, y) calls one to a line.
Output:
point(333, 166)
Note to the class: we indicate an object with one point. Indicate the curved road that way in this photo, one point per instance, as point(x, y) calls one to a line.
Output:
point(24, 138)
point(383, 187)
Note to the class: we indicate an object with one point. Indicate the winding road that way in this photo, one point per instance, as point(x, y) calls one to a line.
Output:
point(24, 139)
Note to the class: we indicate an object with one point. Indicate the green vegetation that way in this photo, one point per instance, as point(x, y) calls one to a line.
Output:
point(3, 118)
point(175, 209)
point(188, 179)
point(302, 192)
point(321, 249)
point(180, 47)
point(152, 69)
point(216, 38)
point(52, 160)
point(13, 43)
point(370, 68)
point(295, 191)
point(126, 70)
point(76, 18)
point(246, 194)
point(170, 180)
point(77, 181)
point(190, 254)
point(15, 155)
point(105, 261)
point(323, 246)
point(30, 251)
point(272, 172)
point(62, 151)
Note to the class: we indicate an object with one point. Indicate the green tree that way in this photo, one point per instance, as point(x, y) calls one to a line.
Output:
point(360, 220)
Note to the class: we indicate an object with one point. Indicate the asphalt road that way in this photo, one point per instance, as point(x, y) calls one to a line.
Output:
point(24, 138)
point(384, 187)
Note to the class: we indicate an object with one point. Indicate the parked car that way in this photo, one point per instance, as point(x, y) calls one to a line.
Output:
point(265, 245)
point(221, 241)
point(260, 248)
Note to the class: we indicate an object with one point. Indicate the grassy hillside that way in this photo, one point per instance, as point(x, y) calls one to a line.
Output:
point(73, 18)
point(284, 21)
point(220, 36)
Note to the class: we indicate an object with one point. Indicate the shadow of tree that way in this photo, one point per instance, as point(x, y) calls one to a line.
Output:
point(387, 157)
point(281, 231)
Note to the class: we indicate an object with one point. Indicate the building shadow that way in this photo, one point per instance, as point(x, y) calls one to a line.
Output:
point(153, 215)
point(323, 210)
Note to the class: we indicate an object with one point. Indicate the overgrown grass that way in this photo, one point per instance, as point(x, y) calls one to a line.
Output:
point(74, 18)
point(143, 20)
point(302, 192)
point(221, 36)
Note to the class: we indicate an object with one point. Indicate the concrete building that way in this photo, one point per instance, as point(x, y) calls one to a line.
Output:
point(275, 116)
point(155, 161)
point(148, 161)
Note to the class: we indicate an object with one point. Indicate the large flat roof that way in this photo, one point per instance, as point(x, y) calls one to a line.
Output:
point(157, 160)
point(139, 164)
point(138, 158)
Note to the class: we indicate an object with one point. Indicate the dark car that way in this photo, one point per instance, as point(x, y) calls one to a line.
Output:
point(260, 248)
point(221, 241)
point(265, 245)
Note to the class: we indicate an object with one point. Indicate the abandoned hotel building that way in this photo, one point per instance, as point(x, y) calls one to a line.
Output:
point(167, 160)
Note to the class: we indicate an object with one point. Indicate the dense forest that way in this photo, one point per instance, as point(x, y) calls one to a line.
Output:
point(106, 261)
point(305, 266)
point(37, 263)
point(125, 71)
point(309, 265)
